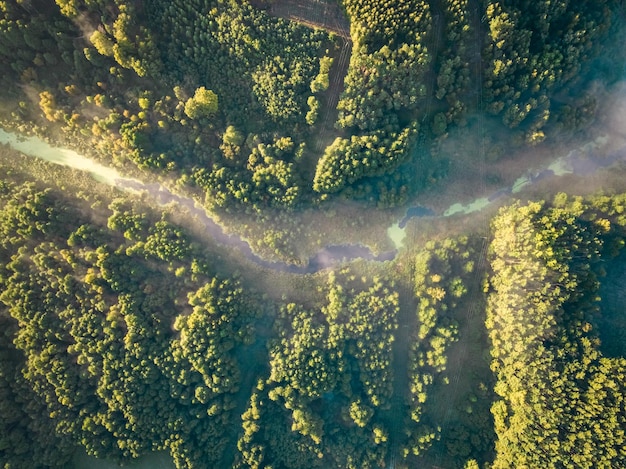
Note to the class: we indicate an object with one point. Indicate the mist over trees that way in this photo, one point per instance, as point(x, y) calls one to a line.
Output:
point(124, 336)
point(159, 84)
point(125, 332)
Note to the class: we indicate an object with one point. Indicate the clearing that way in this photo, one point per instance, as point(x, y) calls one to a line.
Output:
point(322, 14)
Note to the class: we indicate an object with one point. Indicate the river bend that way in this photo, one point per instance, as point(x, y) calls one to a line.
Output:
point(580, 161)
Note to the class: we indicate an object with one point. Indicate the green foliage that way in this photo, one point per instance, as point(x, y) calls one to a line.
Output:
point(389, 22)
point(102, 43)
point(453, 68)
point(331, 377)
point(202, 104)
point(274, 173)
point(383, 84)
point(112, 351)
point(559, 398)
point(440, 284)
point(270, 179)
point(321, 81)
point(232, 136)
point(157, 83)
point(119, 337)
point(314, 106)
point(121, 35)
point(27, 439)
point(348, 160)
point(534, 49)
point(280, 88)
point(385, 81)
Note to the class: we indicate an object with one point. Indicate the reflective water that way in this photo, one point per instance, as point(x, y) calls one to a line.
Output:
point(581, 161)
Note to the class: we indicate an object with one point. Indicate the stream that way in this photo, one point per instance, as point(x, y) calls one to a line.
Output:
point(580, 161)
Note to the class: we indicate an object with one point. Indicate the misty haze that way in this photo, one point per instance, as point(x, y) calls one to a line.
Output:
point(297, 234)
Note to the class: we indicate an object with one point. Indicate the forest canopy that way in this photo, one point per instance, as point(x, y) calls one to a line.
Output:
point(159, 84)
point(127, 331)
point(125, 334)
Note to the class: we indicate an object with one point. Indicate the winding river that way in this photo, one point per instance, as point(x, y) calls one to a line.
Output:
point(580, 161)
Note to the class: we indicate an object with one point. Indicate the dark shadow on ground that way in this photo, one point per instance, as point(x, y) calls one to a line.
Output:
point(612, 320)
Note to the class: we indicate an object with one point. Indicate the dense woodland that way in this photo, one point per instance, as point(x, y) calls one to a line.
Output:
point(123, 335)
point(259, 112)
point(120, 334)
point(125, 332)
point(121, 338)
point(560, 401)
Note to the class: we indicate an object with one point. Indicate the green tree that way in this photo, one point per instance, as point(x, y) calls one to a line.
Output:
point(204, 103)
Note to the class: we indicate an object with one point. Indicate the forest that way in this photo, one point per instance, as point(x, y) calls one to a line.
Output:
point(257, 112)
point(128, 331)
point(125, 334)
point(560, 401)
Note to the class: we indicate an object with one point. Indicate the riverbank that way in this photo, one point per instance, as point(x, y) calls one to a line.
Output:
point(582, 161)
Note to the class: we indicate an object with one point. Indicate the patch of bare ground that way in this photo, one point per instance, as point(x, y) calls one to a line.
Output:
point(322, 14)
